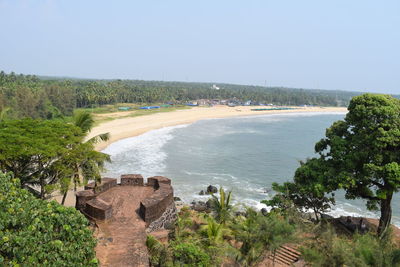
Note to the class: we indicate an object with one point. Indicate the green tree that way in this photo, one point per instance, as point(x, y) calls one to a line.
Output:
point(38, 151)
point(258, 233)
point(86, 163)
point(308, 190)
point(362, 153)
point(222, 207)
point(34, 232)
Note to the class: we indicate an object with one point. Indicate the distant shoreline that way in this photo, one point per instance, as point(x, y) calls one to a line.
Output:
point(133, 126)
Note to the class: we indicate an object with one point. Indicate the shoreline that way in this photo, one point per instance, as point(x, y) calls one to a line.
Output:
point(130, 127)
point(126, 127)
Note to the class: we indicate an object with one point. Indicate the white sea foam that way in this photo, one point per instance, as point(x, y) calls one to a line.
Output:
point(140, 154)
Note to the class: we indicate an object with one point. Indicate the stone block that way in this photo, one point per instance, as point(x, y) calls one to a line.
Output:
point(82, 197)
point(98, 209)
point(132, 179)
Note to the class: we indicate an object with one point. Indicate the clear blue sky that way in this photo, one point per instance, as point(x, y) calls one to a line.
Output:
point(337, 44)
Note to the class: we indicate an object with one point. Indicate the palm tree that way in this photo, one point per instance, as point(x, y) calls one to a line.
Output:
point(91, 162)
point(221, 206)
point(212, 231)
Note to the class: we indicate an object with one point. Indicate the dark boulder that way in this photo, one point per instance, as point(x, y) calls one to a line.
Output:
point(177, 199)
point(201, 193)
point(264, 211)
point(212, 189)
point(200, 206)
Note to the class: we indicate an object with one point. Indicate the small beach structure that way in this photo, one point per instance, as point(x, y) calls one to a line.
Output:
point(149, 107)
point(124, 108)
point(263, 109)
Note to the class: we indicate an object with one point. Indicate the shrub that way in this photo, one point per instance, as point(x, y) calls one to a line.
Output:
point(188, 254)
point(36, 232)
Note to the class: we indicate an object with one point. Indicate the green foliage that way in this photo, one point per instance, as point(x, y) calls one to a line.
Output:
point(189, 254)
point(329, 249)
point(29, 96)
point(259, 233)
point(34, 232)
point(361, 153)
point(222, 207)
point(38, 152)
point(200, 240)
point(159, 254)
point(308, 191)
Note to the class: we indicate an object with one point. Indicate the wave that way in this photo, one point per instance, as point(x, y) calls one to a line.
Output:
point(140, 154)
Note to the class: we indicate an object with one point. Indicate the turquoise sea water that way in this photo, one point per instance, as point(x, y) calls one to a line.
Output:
point(244, 154)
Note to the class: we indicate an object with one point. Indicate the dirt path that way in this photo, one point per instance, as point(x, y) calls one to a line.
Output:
point(121, 239)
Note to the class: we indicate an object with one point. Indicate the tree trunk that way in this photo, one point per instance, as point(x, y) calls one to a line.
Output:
point(64, 197)
point(42, 193)
point(386, 215)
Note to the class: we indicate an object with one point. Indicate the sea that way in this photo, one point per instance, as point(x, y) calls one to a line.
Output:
point(244, 155)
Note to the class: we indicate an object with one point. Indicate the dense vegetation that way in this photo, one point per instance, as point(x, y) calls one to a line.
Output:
point(28, 96)
point(201, 239)
point(35, 232)
point(50, 154)
point(246, 238)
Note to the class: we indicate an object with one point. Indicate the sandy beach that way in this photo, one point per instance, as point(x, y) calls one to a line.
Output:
point(134, 126)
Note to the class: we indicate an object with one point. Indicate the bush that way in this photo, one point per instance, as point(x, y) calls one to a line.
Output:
point(188, 254)
point(36, 232)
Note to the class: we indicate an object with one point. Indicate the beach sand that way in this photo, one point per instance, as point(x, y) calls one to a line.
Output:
point(134, 126)
point(125, 127)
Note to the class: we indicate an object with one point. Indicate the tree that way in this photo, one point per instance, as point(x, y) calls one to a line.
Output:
point(308, 190)
point(38, 151)
point(34, 232)
point(258, 233)
point(86, 163)
point(222, 206)
point(362, 153)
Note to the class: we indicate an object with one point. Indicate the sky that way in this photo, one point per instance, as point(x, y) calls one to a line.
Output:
point(336, 44)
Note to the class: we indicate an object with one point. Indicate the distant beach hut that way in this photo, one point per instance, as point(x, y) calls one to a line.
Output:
point(150, 107)
point(124, 108)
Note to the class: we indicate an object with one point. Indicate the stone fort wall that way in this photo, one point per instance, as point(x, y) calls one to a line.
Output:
point(157, 210)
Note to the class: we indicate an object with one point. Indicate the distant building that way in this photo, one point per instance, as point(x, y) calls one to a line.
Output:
point(215, 87)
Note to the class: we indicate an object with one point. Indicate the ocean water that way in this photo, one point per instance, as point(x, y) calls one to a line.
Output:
point(243, 154)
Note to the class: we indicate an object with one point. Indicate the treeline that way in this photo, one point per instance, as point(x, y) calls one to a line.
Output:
point(31, 96)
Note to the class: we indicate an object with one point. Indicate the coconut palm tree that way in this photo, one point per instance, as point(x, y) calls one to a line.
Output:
point(89, 162)
point(221, 206)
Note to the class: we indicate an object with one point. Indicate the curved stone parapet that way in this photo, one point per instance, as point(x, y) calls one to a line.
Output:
point(154, 206)
point(159, 208)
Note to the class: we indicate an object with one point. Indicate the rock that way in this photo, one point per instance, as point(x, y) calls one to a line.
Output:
point(201, 193)
point(264, 211)
point(177, 199)
point(267, 190)
point(212, 189)
point(240, 213)
point(200, 206)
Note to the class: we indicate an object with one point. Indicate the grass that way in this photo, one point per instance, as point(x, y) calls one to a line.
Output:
point(100, 113)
